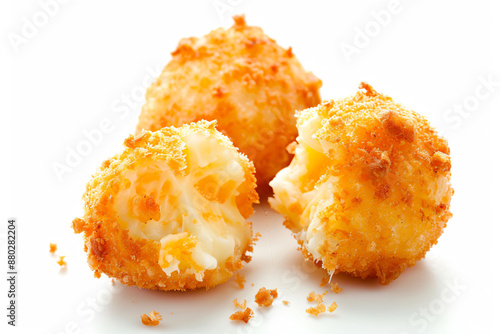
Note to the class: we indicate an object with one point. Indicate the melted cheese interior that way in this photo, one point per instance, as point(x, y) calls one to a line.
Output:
point(194, 217)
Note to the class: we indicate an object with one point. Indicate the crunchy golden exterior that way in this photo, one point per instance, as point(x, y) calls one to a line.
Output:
point(242, 78)
point(373, 179)
point(134, 261)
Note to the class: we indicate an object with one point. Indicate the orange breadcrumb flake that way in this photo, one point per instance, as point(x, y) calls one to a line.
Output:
point(315, 297)
point(265, 297)
point(53, 248)
point(240, 279)
point(240, 305)
point(61, 261)
point(324, 281)
point(286, 302)
point(315, 310)
point(335, 288)
point(332, 307)
point(152, 320)
point(245, 315)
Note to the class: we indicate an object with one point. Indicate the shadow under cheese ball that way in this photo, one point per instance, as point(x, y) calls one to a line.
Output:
point(242, 78)
point(170, 211)
point(368, 192)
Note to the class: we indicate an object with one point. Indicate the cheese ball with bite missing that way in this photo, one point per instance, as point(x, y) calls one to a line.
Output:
point(244, 80)
point(368, 191)
point(170, 211)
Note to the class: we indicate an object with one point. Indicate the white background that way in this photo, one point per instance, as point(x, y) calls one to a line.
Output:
point(73, 72)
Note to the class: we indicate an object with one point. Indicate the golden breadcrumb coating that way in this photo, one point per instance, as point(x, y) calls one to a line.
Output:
point(265, 297)
point(316, 310)
point(169, 212)
point(244, 315)
point(368, 191)
point(53, 248)
point(152, 320)
point(240, 280)
point(242, 78)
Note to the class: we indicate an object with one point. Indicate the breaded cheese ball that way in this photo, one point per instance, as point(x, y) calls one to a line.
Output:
point(170, 211)
point(368, 191)
point(244, 80)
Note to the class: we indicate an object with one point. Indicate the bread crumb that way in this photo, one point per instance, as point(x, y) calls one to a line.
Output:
point(315, 310)
point(332, 307)
point(336, 288)
point(240, 279)
point(152, 320)
point(324, 281)
point(245, 315)
point(53, 248)
point(315, 297)
point(61, 261)
point(252, 284)
point(240, 305)
point(113, 281)
point(265, 297)
point(286, 302)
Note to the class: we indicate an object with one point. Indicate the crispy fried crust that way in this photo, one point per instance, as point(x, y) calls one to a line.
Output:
point(134, 261)
point(384, 175)
point(242, 78)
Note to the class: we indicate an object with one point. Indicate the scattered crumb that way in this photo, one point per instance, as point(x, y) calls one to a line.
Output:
point(152, 320)
point(240, 279)
point(315, 297)
point(320, 308)
point(258, 235)
point(336, 288)
point(245, 315)
point(53, 248)
point(286, 302)
point(324, 281)
point(61, 261)
point(265, 297)
point(240, 305)
point(332, 307)
point(113, 281)
point(252, 284)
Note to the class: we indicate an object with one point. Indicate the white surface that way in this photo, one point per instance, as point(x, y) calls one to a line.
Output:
point(78, 69)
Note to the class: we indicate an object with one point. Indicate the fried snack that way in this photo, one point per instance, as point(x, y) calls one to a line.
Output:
point(242, 78)
point(169, 212)
point(368, 191)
